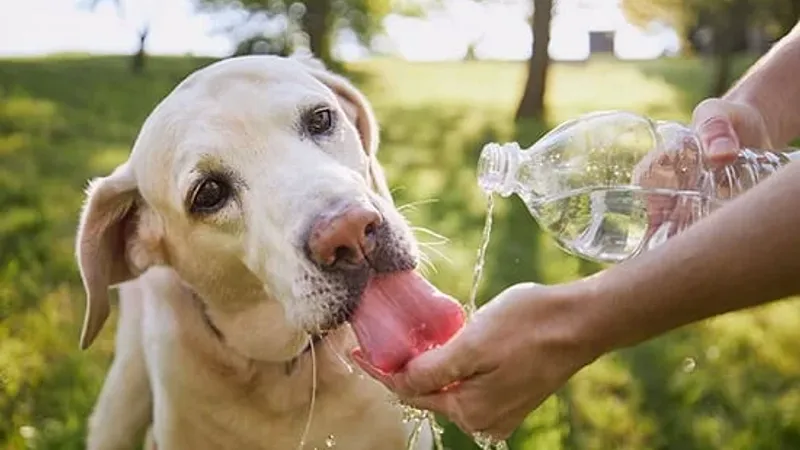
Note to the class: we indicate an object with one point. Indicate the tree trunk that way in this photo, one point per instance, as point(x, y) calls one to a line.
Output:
point(138, 60)
point(730, 28)
point(722, 72)
point(532, 103)
point(318, 23)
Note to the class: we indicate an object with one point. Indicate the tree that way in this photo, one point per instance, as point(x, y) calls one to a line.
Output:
point(728, 23)
point(532, 103)
point(320, 20)
point(138, 58)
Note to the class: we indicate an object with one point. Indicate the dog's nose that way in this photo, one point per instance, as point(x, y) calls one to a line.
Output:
point(344, 237)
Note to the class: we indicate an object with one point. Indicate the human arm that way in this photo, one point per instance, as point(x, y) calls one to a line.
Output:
point(524, 344)
point(527, 342)
point(761, 110)
point(743, 255)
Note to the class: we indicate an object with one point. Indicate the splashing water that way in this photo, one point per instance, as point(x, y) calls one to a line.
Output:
point(486, 442)
point(330, 441)
point(418, 418)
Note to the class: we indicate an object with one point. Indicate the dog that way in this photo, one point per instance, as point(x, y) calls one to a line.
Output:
point(240, 234)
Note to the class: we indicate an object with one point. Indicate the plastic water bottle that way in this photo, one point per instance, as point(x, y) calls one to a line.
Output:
point(612, 184)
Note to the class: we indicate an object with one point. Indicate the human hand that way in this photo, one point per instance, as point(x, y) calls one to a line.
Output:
point(720, 129)
point(724, 127)
point(518, 349)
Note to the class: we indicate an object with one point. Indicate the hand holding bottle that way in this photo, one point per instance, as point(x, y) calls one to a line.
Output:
point(722, 128)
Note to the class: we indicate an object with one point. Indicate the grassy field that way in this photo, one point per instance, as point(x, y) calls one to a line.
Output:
point(732, 383)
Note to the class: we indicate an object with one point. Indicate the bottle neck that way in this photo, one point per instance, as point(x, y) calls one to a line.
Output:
point(792, 154)
point(497, 167)
point(751, 167)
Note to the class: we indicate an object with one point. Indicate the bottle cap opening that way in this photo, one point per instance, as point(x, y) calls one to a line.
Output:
point(493, 169)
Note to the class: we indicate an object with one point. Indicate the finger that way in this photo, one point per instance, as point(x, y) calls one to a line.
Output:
point(438, 369)
point(438, 403)
point(713, 123)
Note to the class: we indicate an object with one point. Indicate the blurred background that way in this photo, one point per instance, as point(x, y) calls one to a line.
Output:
point(77, 78)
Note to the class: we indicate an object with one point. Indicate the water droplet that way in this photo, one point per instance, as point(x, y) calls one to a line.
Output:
point(689, 364)
point(487, 442)
point(330, 441)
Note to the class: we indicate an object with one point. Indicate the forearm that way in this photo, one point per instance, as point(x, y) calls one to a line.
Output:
point(743, 255)
point(772, 85)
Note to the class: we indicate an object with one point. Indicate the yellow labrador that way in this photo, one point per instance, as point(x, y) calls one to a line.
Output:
point(249, 226)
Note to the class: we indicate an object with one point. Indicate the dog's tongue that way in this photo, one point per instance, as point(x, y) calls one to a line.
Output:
point(402, 315)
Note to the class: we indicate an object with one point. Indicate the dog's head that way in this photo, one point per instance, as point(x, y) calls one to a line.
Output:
point(257, 181)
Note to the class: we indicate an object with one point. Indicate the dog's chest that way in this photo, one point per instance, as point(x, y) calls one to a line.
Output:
point(196, 406)
point(195, 417)
point(202, 399)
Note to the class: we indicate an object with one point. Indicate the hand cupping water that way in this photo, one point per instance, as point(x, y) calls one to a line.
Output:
point(495, 371)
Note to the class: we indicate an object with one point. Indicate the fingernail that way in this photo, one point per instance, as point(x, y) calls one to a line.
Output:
point(722, 145)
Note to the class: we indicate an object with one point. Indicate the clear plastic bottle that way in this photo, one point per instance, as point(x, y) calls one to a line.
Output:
point(609, 185)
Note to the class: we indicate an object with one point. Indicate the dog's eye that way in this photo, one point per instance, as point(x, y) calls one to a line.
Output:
point(210, 196)
point(320, 121)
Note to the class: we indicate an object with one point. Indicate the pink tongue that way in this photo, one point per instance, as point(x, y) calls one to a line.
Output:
point(401, 316)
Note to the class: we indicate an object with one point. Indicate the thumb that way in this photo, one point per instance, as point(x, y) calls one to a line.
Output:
point(713, 123)
point(438, 369)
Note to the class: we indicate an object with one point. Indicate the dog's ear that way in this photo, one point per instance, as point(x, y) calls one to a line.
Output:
point(360, 113)
point(105, 246)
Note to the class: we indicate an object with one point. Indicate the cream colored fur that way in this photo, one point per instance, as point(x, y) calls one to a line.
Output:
point(238, 271)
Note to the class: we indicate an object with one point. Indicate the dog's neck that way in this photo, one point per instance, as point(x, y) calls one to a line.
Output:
point(202, 307)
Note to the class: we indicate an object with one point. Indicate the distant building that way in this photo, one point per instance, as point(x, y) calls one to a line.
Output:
point(601, 42)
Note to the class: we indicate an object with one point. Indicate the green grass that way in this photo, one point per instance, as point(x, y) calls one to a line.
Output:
point(63, 121)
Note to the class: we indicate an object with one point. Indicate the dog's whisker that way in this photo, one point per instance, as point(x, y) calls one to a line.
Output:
point(432, 243)
point(414, 204)
point(424, 248)
point(307, 427)
point(396, 189)
point(429, 232)
point(426, 269)
point(425, 264)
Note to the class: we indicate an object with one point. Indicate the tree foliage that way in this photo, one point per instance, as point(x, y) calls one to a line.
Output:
point(312, 23)
point(719, 27)
point(775, 17)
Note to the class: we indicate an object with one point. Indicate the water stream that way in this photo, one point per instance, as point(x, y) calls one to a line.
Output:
point(418, 417)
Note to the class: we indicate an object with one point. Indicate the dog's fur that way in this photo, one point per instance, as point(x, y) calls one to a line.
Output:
point(217, 309)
